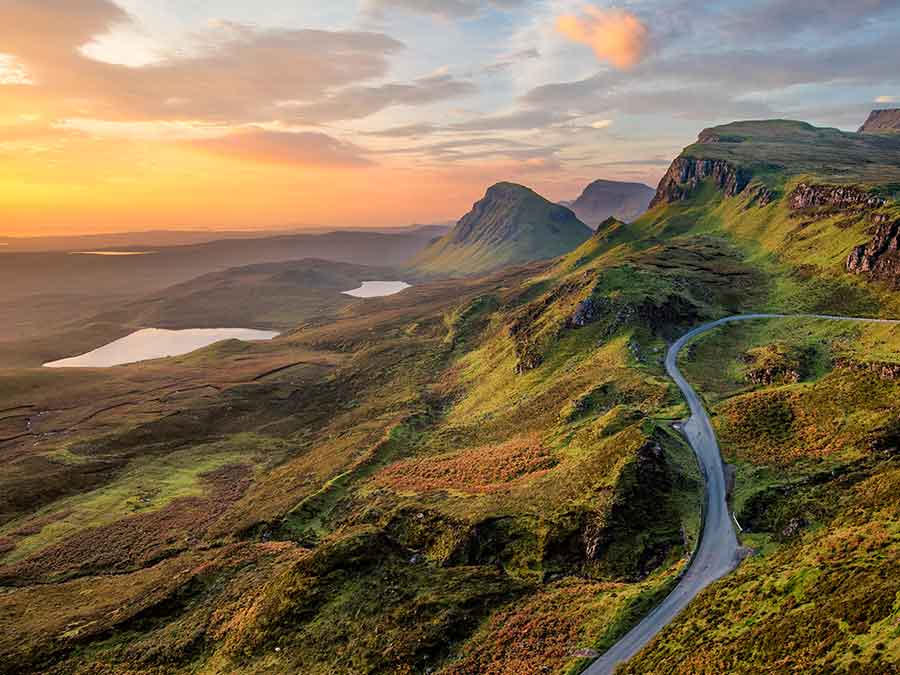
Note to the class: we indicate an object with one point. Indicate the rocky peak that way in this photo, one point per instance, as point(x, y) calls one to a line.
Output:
point(882, 120)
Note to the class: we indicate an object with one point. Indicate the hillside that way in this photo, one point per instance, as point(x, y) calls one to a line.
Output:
point(482, 475)
point(278, 296)
point(511, 225)
point(604, 199)
point(48, 295)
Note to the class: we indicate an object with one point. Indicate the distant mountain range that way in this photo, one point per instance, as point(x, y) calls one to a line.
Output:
point(151, 239)
point(511, 225)
point(604, 199)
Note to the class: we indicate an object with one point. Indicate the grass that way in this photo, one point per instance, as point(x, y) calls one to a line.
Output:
point(814, 498)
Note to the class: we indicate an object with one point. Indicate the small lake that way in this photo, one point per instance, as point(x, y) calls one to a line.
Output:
point(157, 343)
point(378, 289)
point(113, 254)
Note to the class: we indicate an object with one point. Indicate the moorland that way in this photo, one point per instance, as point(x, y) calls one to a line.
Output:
point(483, 473)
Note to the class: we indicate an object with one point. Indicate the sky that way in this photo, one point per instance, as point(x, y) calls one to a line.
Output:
point(121, 115)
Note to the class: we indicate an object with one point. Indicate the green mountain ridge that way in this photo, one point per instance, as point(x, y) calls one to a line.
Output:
point(510, 225)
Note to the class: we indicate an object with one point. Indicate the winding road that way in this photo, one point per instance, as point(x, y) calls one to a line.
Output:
point(719, 552)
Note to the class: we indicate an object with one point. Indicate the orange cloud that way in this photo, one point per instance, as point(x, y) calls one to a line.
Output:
point(616, 35)
point(311, 149)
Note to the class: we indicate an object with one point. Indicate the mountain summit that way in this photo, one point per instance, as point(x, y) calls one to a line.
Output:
point(882, 120)
point(511, 225)
point(604, 199)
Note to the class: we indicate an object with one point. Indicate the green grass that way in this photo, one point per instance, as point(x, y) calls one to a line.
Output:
point(579, 502)
point(145, 486)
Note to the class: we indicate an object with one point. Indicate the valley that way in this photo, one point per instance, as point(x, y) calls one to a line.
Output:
point(488, 472)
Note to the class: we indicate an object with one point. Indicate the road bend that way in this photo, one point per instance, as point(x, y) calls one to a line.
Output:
point(719, 552)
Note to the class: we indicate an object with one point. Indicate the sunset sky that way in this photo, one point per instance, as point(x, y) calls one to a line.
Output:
point(140, 114)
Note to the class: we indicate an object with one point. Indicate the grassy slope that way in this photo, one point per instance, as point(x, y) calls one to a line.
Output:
point(458, 479)
point(816, 486)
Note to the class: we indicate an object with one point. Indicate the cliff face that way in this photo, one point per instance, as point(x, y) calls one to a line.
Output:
point(880, 258)
point(882, 120)
point(686, 174)
point(806, 196)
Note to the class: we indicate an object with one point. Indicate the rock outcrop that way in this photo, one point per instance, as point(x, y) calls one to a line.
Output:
point(841, 197)
point(882, 120)
point(686, 174)
point(880, 258)
point(883, 370)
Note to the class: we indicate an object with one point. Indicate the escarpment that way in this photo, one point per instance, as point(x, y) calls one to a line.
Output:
point(841, 197)
point(880, 258)
point(686, 174)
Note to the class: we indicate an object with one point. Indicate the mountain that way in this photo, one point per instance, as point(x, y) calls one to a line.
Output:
point(483, 475)
point(604, 199)
point(882, 120)
point(511, 225)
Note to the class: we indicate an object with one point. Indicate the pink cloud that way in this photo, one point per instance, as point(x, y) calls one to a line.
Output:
point(616, 35)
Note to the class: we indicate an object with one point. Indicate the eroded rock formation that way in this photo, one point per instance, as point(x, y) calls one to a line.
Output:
point(880, 258)
point(842, 197)
point(686, 174)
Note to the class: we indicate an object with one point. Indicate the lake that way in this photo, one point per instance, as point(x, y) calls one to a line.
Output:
point(157, 343)
point(378, 289)
point(113, 254)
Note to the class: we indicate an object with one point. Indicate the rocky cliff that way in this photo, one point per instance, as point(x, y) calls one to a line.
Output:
point(686, 174)
point(840, 197)
point(882, 120)
point(880, 258)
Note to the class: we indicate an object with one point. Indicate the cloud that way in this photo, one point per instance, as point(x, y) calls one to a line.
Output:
point(13, 72)
point(449, 9)
point(774, 19)
point(507, 61)
point(230, 73)
point(616, 35)
point(405, 131)
point(887, 99)
point(521, 120)
point(281, 147)
point(358, 102)
point(602, 124)
point(709, 87)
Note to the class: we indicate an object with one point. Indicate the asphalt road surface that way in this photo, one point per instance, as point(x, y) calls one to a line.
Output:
point(719, 552)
